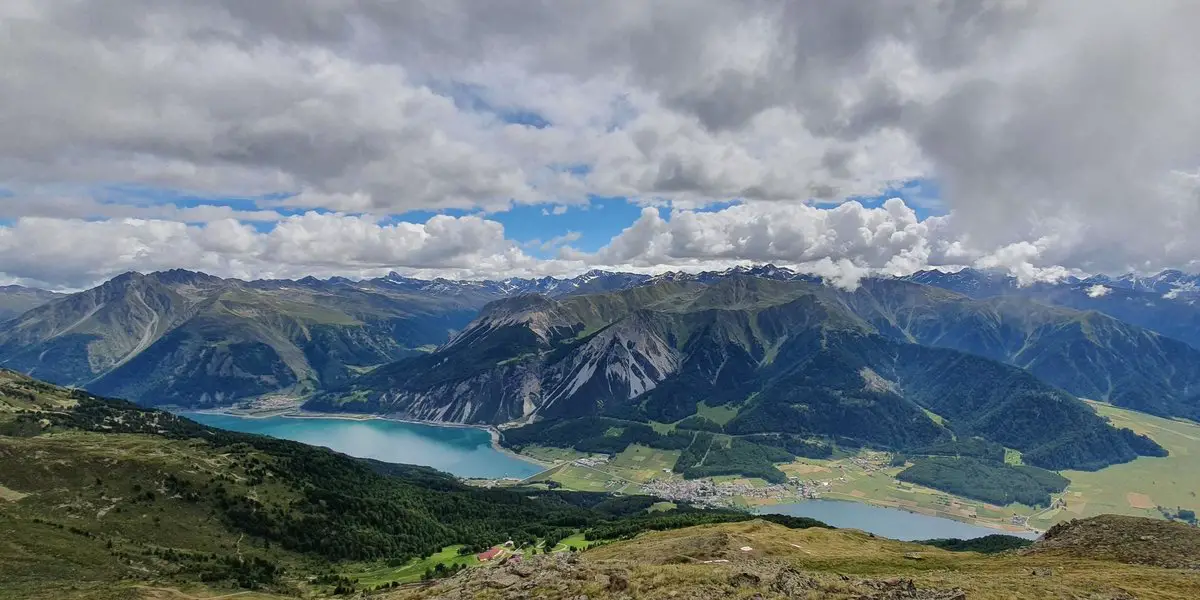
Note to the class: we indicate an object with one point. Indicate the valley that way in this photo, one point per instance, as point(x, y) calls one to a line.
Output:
point(1137, 488)
point(96, 480)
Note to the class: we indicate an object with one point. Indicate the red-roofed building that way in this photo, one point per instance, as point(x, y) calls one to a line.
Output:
point(489, 554)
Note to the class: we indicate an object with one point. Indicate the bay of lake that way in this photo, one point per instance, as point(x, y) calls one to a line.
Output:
point(883, 521)
point(461, 451)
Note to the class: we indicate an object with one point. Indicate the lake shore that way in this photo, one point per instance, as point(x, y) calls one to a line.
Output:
point(495, 439)
point(999, 527)
point(299, 413)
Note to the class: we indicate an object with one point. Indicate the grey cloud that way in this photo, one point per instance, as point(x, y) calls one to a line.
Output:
point(1063, 133)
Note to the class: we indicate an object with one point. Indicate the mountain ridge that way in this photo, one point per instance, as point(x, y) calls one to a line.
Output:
point(791, 357)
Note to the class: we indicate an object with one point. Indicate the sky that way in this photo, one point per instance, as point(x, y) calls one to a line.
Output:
point(505, 138)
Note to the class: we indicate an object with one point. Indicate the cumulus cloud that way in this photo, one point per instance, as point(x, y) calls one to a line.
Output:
point(1063, 136)
point(1098, 291)
point(71, 253)
point(887, 239)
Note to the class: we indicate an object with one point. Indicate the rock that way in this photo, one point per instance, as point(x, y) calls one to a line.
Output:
point(905, 589)
point(502, 581)
point(617, 583)
point(791, 582)
point(1041, 572)
point(913, 556)
point(745, 580)
point(1121, 594)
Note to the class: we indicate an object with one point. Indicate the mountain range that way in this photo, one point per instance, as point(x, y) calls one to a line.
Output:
point(892, 364)
point(16, 299)
point(518, 350)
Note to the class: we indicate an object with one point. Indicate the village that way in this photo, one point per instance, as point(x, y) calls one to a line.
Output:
point(719, 493)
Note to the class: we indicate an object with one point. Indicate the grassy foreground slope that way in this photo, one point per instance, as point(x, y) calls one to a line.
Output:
point(762, 560)
point(101, 498)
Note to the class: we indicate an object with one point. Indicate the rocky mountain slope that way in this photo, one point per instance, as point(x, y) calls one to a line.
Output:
point(788, 357)
point(1167, 303)
point(178, 337)
point(190, 339)
point(16, 299)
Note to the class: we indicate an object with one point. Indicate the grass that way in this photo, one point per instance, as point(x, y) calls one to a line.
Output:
point(1136, 488)
point(375, 575)
point(642, 463)
point(848, 481)
point(936, 418)
point(585, 479)
point(672, 561)
point(553, 455)
point(81, 493)
point(720, 414)
point(575, 541)
point(1013, 457)
point(662, 428)
point(625, 473)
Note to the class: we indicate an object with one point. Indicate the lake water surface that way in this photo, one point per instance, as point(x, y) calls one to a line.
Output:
point(887, 522)
point(462, 451)
point(468, 452)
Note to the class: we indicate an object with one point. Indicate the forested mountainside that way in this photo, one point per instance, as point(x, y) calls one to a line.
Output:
point(1087, 353)
point(16, 299)
point(97, 495)
point(788, 358)
point(190, 339)
point(101, 498)
point(1167, 303)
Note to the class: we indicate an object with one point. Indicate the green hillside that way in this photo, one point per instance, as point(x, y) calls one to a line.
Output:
point(762, 560)
point(190, 339)
point(99, 497)
point(790, 366)
point(102, 499)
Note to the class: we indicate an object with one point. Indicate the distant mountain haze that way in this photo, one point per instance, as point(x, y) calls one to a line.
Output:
point(16, 299)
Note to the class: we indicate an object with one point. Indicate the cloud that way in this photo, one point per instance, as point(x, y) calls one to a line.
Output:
point(1098, 291)
point(72, 253)
point(83, 206)
point(561, 240)
point(887, 239)
point(1062, 136)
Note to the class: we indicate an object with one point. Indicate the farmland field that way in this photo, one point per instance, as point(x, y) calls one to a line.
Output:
point(1136, 488)
point(370, 575)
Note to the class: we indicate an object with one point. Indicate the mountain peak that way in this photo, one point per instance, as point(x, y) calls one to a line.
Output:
point(184, 277)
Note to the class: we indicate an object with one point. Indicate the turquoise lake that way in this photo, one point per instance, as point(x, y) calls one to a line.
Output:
point(461, 451)
point(468, 452)
point(887, 522)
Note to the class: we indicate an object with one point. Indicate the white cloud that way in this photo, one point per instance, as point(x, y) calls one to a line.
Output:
point(1098, 291)
point(71, 253)
point(887, 239)
point(561, 240)
point(1062, 136)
